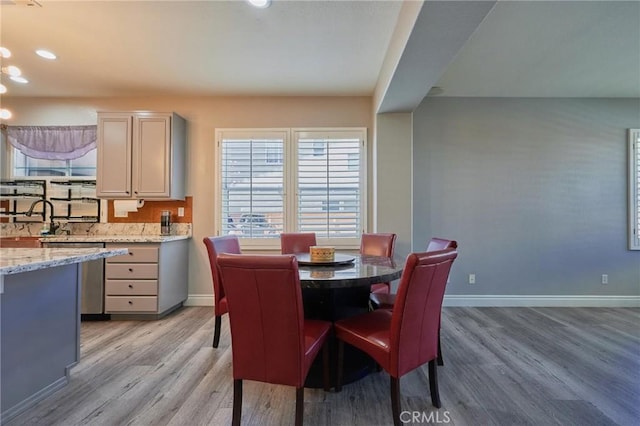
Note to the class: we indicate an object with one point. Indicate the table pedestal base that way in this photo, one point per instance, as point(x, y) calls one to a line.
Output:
point(332, 305)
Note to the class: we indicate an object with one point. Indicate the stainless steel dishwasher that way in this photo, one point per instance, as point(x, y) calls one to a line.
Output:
point(92, 289)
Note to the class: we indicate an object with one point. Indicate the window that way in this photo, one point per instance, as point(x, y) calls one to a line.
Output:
point(51, 151)
point(252, 184)
point(634, 189)
point(292, 180)
point(24, 165)
point(329, 187)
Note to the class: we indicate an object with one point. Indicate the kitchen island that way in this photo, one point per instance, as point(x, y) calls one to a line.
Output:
point(39, 321)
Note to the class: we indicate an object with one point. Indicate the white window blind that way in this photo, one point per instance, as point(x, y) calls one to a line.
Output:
point(634, 189)
point(292, 180)
point(252, 184)
point(330, 184)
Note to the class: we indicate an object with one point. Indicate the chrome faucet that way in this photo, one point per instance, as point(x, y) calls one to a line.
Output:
point(52, 227)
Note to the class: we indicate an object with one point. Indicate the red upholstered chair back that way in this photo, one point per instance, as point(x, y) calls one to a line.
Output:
point(216, 246)
point(266, 317)
point(416, 315)
point(436, 244)
point(297, 242)
point(377, 244)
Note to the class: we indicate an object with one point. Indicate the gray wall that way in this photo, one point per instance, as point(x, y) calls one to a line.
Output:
point(534, 190)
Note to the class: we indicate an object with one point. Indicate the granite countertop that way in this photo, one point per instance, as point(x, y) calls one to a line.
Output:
point(17, 260)
point(113, 238)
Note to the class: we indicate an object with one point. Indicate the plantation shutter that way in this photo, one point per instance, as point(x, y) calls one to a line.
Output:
point(252, 180)
point(330, 183)
point(634, 189)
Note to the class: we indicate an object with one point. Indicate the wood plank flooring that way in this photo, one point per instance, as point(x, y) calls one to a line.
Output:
point(503, 366)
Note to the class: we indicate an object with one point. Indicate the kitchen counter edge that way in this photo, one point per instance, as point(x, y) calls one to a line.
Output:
point(113, 238)
point(18, 260)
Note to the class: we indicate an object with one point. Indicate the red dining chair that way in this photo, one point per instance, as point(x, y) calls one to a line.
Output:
point(378, 245)
point(436, 244)
point(272, 342)
point(403, 339)
point(297, 242)
point(215, 246)
point(387, 301)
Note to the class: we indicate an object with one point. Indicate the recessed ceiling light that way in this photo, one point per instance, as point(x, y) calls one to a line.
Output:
point(4, 52)
point(12, 70)
point(262, 4)
point(5, 114)
point(46, 54)
point(19, 79)
point(3, 89)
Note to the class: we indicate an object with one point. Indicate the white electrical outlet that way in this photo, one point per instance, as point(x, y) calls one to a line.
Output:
point(472, 278)
point(605, 279)
point(180, 211)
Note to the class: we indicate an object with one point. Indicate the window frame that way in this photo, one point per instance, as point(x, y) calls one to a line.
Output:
point(290, 167)
point(634, 189)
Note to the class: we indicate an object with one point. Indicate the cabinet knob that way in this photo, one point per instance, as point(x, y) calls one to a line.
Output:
point(130, 269)
point(130, 302)
point(130, 254)
point(126, 192)
point(130, 285)
point(135, 192)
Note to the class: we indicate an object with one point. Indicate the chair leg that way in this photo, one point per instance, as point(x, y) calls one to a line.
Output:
point(237, 402)
point(299, 405)
point(326, 376)
point(433, 384)
point(340, 365)
point(440, 360)
point(216, 331)
point(395, 400)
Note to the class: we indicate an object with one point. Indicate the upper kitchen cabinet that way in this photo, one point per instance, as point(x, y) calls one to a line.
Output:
point(141, 155)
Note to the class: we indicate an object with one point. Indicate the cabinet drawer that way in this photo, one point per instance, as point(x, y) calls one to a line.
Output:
point(131, 287)
point(131, 304)
point(131, 271)
point(137, 255)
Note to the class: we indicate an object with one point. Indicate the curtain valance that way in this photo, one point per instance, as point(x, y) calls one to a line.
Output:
point(53, 142)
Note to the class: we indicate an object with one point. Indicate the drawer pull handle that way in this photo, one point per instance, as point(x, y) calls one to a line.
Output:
point(130, 302)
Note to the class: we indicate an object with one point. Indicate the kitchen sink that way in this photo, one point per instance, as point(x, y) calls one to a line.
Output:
point(20, 242)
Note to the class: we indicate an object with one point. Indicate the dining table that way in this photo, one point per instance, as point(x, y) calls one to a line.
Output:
point(340, 289)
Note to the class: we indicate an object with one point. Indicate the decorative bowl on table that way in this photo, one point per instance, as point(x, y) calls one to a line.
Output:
point(322, 253)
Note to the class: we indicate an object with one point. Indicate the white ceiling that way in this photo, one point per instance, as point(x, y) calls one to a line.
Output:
point(116, 48)
point(139, 48)
point(551, 49)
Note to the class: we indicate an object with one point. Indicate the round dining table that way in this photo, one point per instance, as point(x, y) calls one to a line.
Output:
point(335, 290)
point(347, 271)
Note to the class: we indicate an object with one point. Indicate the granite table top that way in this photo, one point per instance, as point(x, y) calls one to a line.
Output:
point(17, 260)
point(363, 271)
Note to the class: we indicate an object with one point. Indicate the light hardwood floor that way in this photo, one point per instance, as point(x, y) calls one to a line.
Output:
point(503, 366)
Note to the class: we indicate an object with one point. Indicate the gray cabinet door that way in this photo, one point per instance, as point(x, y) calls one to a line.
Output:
point(113, 178)
point(152, 156)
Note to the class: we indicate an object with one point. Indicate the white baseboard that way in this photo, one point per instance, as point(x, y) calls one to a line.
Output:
point(539, 301)
point(199, 300)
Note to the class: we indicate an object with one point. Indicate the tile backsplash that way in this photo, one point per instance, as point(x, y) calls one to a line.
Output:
point(150, 212)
